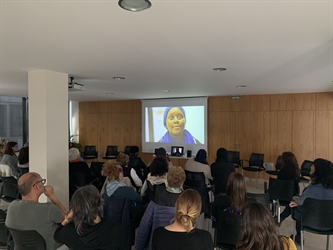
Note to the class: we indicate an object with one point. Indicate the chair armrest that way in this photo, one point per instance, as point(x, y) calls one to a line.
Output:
point(242, 162)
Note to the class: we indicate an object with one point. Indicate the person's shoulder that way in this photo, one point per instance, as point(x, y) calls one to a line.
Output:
point(202, 233)
point(159, 230)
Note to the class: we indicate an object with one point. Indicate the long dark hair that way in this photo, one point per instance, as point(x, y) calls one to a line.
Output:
point(86, 204)
point(9, 148)
point(236, 190)
point(290, 164)
point(323, 173)
point(259, 230)
point(23, 156)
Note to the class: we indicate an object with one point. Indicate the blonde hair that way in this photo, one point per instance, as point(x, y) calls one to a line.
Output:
point(188, 208)
point(176, 176)
point(111, 170)
point(123, 159)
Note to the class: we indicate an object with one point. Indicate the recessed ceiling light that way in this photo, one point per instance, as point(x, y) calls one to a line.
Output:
point(118, 78)
point(219, 69)
point(110, 93)
point(241, 86)
point(166, 91)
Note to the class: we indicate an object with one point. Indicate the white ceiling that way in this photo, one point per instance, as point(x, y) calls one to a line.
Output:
point(270, 46)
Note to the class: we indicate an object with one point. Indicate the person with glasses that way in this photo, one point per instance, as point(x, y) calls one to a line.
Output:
point(29, 214)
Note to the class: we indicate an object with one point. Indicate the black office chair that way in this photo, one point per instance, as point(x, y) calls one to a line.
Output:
point(278, 165)
point(111, 152)
point(305, 172)
point(233, 157)
point(316, 214)
point(9, 191)
point(228, 230)
point(259, 198)
point(255, 164)
point(27, 240)
point(127, 150)
point(282, 192)
point(197, 181)
point(90, 153)
point(96, 168)
point(3, 230)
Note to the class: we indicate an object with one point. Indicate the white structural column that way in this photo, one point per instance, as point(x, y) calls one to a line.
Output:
point(48, 130)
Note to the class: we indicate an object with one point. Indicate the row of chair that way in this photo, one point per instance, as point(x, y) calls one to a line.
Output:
point(111, 152)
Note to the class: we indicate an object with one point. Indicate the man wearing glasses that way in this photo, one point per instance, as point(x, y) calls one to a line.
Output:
point(29, 214)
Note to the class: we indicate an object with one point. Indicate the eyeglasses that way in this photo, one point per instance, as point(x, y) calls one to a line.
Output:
point(42, 181)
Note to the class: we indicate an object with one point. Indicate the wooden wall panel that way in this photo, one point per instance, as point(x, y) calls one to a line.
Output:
point(220, 123)
point(240, 104)
point(303, 135)
point(284, 130)
point(330, 135)
point(321, 134)
point(256, 129)
point(260, 102)
point(270, 136)
point(304, 101)
point(324, 101)
point(268, 123)
point(219, 104)
point(282, 102)
point(242, 134)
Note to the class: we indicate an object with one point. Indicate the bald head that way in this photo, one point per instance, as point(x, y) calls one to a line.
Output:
point(24, 184)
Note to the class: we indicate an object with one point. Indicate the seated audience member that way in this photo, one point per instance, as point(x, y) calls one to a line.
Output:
point(26, 144)
point(260, 232)
point(9, 158)
point(123, 159)
point(221, 169)
point(167, 195)
point(157, 176)
point(114, 186)
point(321, 188)
point(85, 228)
point(79, 172)
point(234, 199)
point(29, 214)
point(136, 163)
point(160, 152)
point(2, 148)
point(199, 164)
point(23, 160)
point(181, 234)
point(289, 171)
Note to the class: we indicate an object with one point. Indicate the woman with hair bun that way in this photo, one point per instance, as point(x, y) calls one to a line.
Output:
point(181, 234)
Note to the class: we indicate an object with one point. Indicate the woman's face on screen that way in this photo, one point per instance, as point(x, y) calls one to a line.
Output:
point(175, 121)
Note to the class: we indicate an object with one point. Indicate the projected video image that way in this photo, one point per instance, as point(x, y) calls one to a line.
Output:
point(179, 124)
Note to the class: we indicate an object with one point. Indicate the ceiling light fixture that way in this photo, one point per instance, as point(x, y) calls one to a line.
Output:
point(110, 93)
point(118, 78)
point(219, 69)
point(166, 91)
point(241, 86)
point(134, 5)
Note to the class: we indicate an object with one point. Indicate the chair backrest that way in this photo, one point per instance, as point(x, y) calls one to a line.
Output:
point(278, 163)
point(127, 150)
point(283, 190)
point(229, 227)
point(317, 213)
point(259, 198)
point(5, 170)
point(233, 157)
point(96, 168)
point(9, 189)
point(195, 179)
point(306, 168)
point(90, 151)
point(3, 229)
point(111, 151)
point(27, 240)
point(256, 159)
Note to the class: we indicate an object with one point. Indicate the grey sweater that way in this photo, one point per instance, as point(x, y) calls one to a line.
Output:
point(11, 161)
